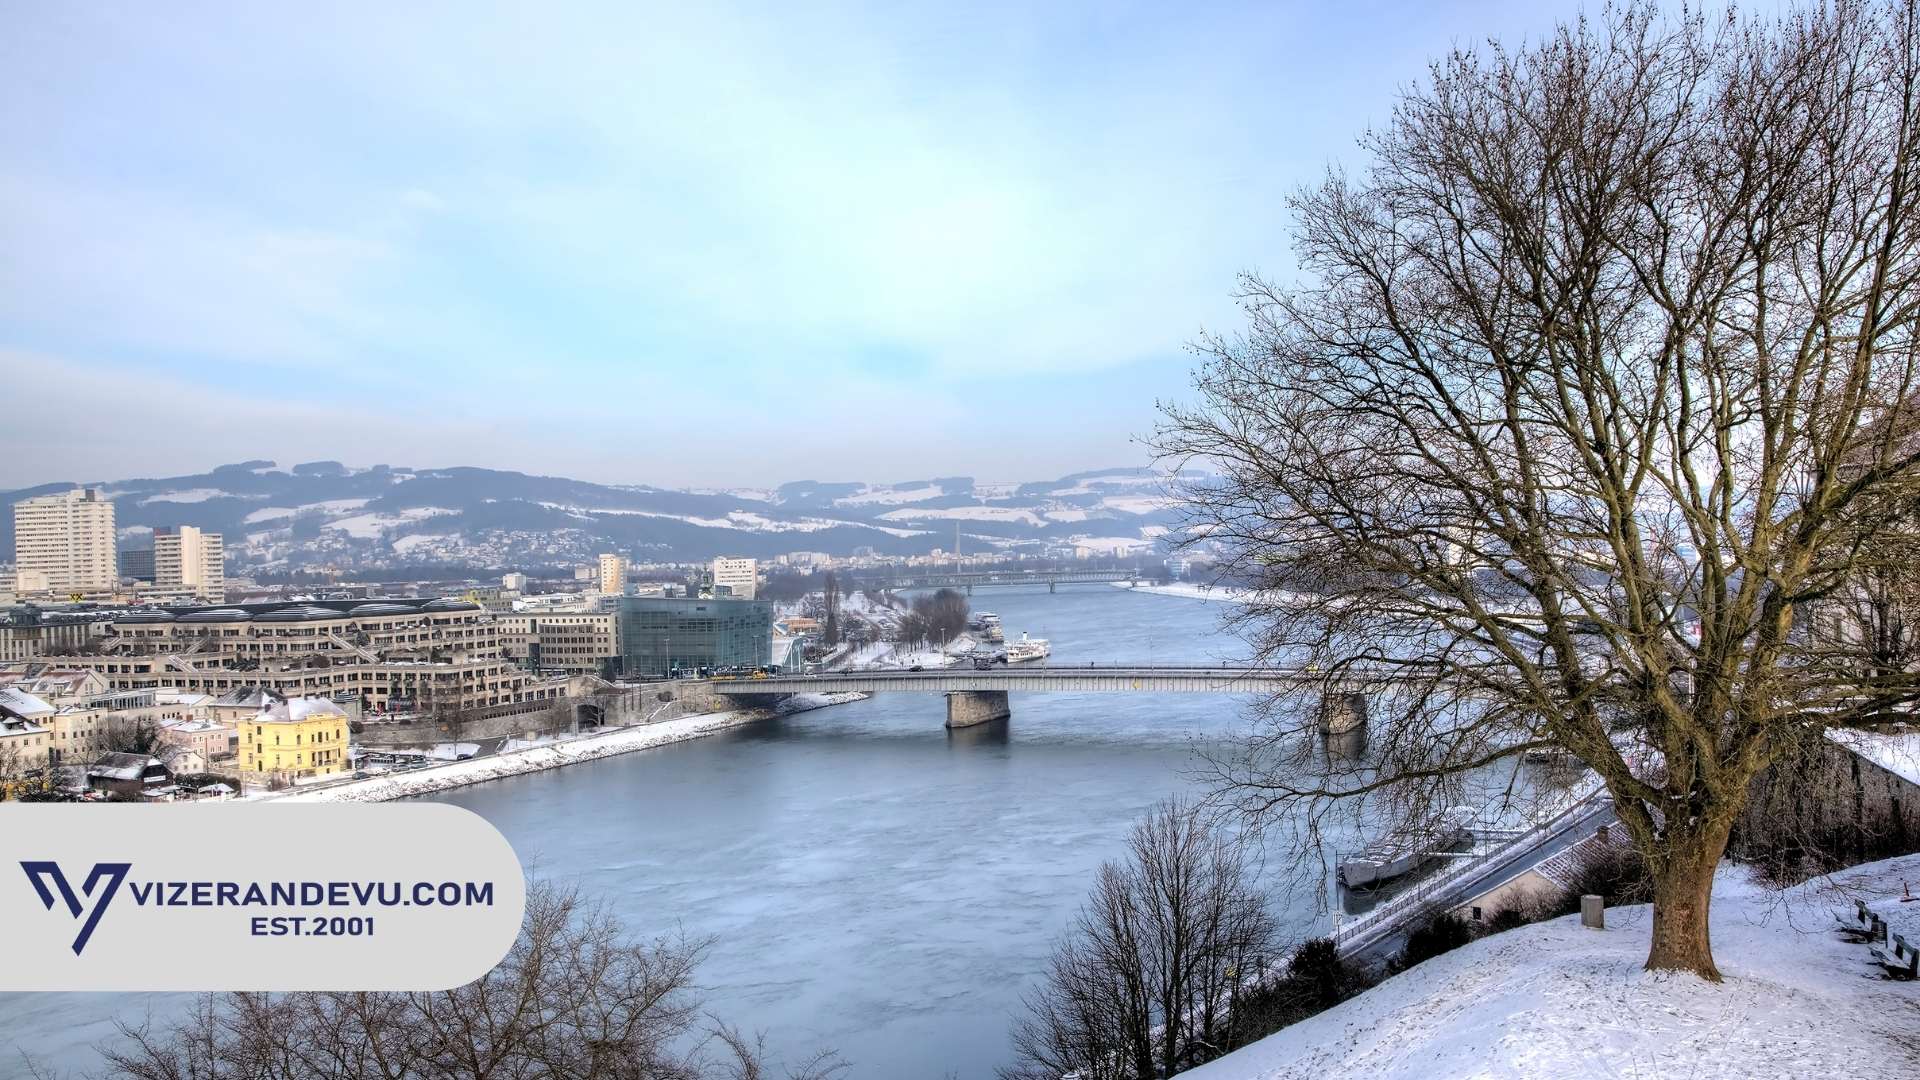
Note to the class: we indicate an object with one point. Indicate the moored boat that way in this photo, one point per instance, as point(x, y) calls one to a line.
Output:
point(1028, 648)
point(1405, 850)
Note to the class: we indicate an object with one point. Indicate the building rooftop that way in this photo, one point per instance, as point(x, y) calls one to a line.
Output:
point(297, 611)
point(294, 710)
point(19, 703)
point(117, 766)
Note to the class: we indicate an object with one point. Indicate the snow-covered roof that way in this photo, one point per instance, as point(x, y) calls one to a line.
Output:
point(249, 696)
point(22, 704)
point(296, 709)
point(190, 727)
point(121, 766)
point(1898, 753)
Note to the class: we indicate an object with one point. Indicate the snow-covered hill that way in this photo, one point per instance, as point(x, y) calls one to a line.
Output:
point(1554, 1000)
point(326, 512)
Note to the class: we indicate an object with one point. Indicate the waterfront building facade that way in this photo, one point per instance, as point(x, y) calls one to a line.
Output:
point(431, 655)
point(661, 634)
point(572, 642)
point(299, 738)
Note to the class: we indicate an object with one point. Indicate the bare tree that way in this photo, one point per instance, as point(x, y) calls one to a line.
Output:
point(1145, 983)
point(1594, 384)
point(938, 616)
point(573, 1000)
point(830, 600)
point(135, 734)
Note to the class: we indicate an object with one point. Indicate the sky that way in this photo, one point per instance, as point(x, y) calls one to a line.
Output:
point(685, 245)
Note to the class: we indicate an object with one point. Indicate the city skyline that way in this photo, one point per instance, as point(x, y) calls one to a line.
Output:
point(629, 246)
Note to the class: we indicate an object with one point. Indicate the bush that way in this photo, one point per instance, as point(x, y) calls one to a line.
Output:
point(1618, 875)
point(1509, 918)
point(1441, 934)
point(1319, 978)
point(1316, 980)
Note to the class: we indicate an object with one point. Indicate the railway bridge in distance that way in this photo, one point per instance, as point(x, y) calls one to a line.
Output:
point(976, 697)
point(970, 581)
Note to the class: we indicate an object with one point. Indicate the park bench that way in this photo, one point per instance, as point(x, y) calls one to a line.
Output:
point(1902, 961)
point(1863, 925)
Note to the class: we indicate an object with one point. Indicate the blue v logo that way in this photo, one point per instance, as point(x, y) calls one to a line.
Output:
point(40, 873)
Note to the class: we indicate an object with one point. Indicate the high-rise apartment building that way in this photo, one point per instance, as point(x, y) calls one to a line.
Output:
point(184, 557)
point(613, 574)
point(68, 539)
point(741, 576)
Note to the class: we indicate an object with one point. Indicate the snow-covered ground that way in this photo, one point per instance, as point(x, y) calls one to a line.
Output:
point(885, 654)
point(544, 754)
point(370, 526)
point(1896, 752)
point(191, 495)
point(1557, 1000)
point(1194, 590)
point(964, 513)
point(1111, 545)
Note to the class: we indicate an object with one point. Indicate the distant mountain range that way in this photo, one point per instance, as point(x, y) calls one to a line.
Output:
point(323, 512)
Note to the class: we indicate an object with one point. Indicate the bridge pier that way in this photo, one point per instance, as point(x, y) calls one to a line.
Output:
point(965, 708)
point(1342, 711)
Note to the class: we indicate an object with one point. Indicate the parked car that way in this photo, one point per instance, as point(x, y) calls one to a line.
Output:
point(917, 667)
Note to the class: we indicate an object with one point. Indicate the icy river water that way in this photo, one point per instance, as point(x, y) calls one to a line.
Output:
point(874, 884)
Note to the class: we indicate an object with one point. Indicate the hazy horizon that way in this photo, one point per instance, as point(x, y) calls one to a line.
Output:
point(286, 466)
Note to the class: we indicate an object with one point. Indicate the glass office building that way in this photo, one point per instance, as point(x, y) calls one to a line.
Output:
point(659, 634)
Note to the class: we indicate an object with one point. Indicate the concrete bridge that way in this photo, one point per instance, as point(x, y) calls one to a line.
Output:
point(970, 581)
point(975, 696)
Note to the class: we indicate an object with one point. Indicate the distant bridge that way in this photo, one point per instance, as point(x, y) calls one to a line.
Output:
point(1052, 579)
point(975, 696)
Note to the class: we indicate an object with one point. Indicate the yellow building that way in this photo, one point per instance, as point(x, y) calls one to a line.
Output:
point(295, 739)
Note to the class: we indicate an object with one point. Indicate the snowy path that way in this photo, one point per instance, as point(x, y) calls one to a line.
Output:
point(550, 755)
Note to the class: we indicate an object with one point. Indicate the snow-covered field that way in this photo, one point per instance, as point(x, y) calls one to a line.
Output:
point(964, 513)
point(1111, 545)
point(370, 526)
point(1556, 1000)
point(191, 495)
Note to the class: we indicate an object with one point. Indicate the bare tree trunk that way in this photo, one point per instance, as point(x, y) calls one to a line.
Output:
point(1682, 899)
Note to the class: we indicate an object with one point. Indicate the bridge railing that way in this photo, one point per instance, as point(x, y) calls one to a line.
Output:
point(1368, 927)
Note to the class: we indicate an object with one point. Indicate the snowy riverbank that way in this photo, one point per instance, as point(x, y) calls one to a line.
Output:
point(1557, 1000)
point(1225, 594)
point(548, 755)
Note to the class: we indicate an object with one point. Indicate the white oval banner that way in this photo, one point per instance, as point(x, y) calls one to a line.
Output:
point(388, 896)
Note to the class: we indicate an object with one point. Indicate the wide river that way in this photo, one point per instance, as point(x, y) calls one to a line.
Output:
point(873, 883)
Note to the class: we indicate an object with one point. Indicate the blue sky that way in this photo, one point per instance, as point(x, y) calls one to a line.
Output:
point(684, 245)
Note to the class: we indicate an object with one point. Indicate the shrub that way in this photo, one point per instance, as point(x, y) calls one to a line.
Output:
point(1442, 933)
point(1618, 875)
point(1316, 980)
point(1509, 918)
